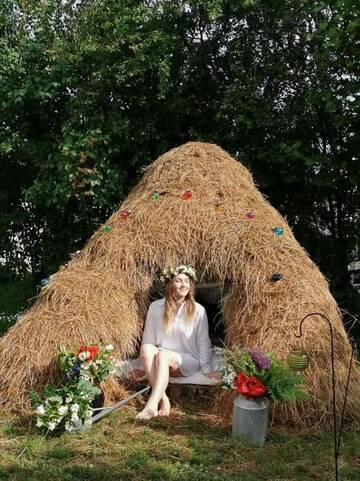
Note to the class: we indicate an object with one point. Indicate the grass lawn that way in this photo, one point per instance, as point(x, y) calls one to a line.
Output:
point(187, 446)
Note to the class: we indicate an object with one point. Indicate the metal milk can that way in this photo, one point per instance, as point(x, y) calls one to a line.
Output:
point(250, 419)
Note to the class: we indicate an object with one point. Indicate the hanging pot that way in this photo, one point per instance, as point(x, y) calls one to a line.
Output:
point(298, 360)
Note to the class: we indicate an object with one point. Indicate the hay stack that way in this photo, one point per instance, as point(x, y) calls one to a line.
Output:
point(102, 295)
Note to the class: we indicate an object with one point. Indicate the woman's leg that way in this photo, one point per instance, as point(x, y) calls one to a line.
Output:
point(148, 353)
point(165, 401)
point(148, 357)
point(159, 379)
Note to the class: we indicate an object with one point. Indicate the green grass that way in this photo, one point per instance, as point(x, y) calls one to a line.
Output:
point(187, 446)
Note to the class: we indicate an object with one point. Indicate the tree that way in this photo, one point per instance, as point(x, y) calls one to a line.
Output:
point(92, 91)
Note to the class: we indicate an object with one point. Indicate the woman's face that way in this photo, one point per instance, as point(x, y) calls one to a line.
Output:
point(181, 286)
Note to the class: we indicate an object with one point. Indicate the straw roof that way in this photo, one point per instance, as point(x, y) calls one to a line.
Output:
point(224, 227)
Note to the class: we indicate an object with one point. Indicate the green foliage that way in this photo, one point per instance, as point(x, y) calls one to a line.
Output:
point(66, 359)
point(15, 294)
point(282, 384)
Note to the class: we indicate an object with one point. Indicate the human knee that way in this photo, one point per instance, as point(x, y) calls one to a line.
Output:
point(162, 357)
point(147, 351)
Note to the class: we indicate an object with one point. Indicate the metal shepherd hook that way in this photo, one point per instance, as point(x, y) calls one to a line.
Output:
point(337, 436)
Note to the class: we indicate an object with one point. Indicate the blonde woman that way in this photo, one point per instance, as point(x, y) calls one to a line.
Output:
point(175, 341)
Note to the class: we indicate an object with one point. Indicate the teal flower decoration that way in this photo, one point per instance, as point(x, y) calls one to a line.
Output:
point(155, 195)
point(278, 231)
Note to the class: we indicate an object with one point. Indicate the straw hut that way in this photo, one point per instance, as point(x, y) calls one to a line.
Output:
point(194, 205)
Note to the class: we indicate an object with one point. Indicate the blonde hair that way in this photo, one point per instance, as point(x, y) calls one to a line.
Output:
point(171, 306)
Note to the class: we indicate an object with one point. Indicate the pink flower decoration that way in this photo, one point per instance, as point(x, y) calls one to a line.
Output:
point(124, 214)
point(187, 195)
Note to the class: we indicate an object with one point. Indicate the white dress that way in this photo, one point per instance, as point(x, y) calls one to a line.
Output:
point(190, 340)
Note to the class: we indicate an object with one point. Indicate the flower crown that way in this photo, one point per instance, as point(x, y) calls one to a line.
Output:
point(170, 272)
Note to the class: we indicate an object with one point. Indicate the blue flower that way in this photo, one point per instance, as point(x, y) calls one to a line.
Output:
point(73, 372)
point(278, 231)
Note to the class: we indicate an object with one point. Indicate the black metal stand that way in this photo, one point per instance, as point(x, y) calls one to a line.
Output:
point(337, 435)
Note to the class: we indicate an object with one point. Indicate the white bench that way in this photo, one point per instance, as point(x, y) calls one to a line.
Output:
point(126, 367)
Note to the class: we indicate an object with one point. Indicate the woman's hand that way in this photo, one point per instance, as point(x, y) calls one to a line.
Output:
point(213, 375)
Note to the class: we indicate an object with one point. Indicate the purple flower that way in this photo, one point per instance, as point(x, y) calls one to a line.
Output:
point(260, 358)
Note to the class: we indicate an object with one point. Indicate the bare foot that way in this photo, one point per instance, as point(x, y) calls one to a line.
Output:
point(165, 407)
point(146, 414)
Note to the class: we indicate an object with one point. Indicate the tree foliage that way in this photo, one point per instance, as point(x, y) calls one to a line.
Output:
point(92, 91)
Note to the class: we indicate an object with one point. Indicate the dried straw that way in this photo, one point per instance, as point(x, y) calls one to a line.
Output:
point(102, 295)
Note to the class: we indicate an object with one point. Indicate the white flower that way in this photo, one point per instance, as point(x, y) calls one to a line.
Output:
point(170, 272)
point(84, 355)
point(51, 426)
point(74, 408)
point(39, 423)
point(40, 410)
point(68, 426)
point(74, 417)
point(68, 399)
point(85, 376)
point(62, 410)
point(109, 348)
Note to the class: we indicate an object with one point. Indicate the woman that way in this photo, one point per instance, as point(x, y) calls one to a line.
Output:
point(175, 341)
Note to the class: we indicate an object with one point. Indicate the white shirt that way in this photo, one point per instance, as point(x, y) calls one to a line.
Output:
point(182, 336)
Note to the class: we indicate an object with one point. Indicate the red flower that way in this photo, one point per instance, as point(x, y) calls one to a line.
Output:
point(249, 386)
point(93, 350)
point(187, 195)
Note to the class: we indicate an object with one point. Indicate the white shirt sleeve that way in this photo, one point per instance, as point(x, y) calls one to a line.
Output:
point(203, 342)
point(149, 336)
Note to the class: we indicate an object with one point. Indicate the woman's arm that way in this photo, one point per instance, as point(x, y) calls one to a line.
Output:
point(203, 342)
point(204, 345)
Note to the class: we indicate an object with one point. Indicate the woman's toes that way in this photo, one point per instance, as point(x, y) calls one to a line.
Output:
point(146, 414)
point(165, 408)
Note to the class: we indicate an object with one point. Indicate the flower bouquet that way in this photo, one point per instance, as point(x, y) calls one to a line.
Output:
point(69, 406)
point(254, 373)
point(91, 363)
